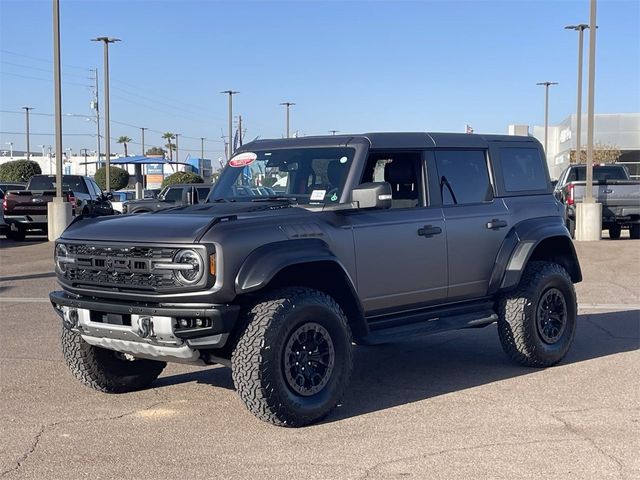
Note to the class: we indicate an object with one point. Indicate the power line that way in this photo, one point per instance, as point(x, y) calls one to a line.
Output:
point(48, 70)
point(39, 59)
point(42, 79)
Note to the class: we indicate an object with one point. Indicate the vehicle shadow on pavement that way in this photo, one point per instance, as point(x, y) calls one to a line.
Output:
point(396, 374)
point(402, 373)
point(31, 276)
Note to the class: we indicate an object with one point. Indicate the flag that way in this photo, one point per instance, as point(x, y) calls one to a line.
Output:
point(467, 128)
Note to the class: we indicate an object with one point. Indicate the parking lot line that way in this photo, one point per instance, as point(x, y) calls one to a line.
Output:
point(24, 300)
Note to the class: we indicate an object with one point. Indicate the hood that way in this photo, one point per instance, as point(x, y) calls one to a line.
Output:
point(174, 225)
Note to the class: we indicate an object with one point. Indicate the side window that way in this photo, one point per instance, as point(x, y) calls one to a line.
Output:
point(202, 193)
point(463, 176)
point(522, 169)
point(96, 189)
point(402, 170)
point(173, 194)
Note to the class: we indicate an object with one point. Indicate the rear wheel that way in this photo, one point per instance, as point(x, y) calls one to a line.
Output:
point(615, 231)
point(293, 362)
point(537, 321)
point(106, 370)
point(634, 231)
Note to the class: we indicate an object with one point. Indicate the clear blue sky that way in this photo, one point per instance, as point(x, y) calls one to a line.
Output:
point(350, 66)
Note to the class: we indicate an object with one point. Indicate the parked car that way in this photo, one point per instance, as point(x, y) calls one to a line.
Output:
point(172, 196)
point(377, 238)
point(613, 187)
point(120, 197)
point(151, 192)
point(26, 210)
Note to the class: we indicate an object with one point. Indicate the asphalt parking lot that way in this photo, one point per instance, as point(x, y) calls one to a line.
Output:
point(442, 407)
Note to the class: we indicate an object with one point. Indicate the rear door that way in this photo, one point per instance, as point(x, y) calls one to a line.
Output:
point(401, 257)
point(476, 221)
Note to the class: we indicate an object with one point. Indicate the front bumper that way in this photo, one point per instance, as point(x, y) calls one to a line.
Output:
point(169, 333)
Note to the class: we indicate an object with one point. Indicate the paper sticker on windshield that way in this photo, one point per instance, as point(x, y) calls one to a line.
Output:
point(243, 159)
point(318, 195)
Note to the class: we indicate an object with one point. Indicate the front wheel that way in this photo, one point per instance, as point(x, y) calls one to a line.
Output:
point(537, 322)
point(615, 231)
point(106, 370)
point(293, 362)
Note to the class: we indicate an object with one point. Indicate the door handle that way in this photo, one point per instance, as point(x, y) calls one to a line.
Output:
point(429, 231)
point(495, 224)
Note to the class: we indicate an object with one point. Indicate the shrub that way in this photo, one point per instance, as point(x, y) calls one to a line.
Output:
point(182, 177)
point(118, 178)
point(156, 151)
point(19, 170)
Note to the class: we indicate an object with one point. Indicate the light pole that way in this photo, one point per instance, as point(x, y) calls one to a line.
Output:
point(580, 28)
point(26, 111)
point(96, 106)
point(231, 93)
point(202, 139)
point(83, 151)
point(142, 129)
point(333, 132)
point(107, 129)
point(10, 149)
point(546, 113)
point(288, 106)
point(177, 148)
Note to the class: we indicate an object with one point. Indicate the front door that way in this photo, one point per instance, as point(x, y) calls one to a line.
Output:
point(401, 256)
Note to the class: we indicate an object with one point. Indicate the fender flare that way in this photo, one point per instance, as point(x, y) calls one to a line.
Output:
point(263, 263)
point(520, 243)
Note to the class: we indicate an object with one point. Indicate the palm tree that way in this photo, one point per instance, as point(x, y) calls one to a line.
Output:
point(168, 136)
point(124, 140)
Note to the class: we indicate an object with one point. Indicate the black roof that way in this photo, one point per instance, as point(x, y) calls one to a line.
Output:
point(383, 140)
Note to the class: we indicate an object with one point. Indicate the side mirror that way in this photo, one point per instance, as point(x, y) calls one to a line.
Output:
point(108, 196)
point(373, 195)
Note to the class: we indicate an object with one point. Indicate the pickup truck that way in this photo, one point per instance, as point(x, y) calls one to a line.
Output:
point(613, 187)
point(26, 210)
point(176, 195)
point(376, 238)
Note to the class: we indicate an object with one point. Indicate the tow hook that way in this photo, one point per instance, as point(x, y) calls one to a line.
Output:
point(70, 319)
point(145, 327)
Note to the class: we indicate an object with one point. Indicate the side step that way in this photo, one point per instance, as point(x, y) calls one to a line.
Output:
point(430, 326)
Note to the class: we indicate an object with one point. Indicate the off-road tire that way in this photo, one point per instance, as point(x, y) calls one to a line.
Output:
point(614, 232)
point(517, 316)
point(105, 370)
point(634, 231)
point(258, 363)
point(17, 236)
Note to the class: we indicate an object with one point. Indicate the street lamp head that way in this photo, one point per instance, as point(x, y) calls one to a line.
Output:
point(106, 39)
point(27, 108)
point(288, 104)
point(580, 26)
point(546, 84)
point(229, 92)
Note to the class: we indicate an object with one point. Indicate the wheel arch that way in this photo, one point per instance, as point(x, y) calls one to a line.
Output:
point(304, 263)
point(543, 239)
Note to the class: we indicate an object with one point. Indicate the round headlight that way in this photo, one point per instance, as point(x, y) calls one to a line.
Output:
point(190, 259)
point(61, 251)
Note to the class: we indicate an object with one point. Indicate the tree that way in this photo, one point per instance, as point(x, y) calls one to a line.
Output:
point(168, 136)
point(602, 153)
point(156, 151)
point(119, 177)
point(124, 140)
point(182, 177)
point(19, 170)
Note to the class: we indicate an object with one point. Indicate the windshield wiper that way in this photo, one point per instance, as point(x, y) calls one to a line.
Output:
point(275, 198)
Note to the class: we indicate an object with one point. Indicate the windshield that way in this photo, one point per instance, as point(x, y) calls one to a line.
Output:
point(300, 175)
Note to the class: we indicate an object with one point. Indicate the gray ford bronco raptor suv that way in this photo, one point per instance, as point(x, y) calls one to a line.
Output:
point(308, 245)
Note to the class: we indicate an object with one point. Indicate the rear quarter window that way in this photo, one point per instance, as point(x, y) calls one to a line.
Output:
point(523, 170)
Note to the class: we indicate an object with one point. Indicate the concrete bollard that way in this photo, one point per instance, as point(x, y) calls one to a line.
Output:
point(588, 222)
point(59, 216)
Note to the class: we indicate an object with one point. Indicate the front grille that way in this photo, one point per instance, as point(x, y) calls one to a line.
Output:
point(122, 267)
